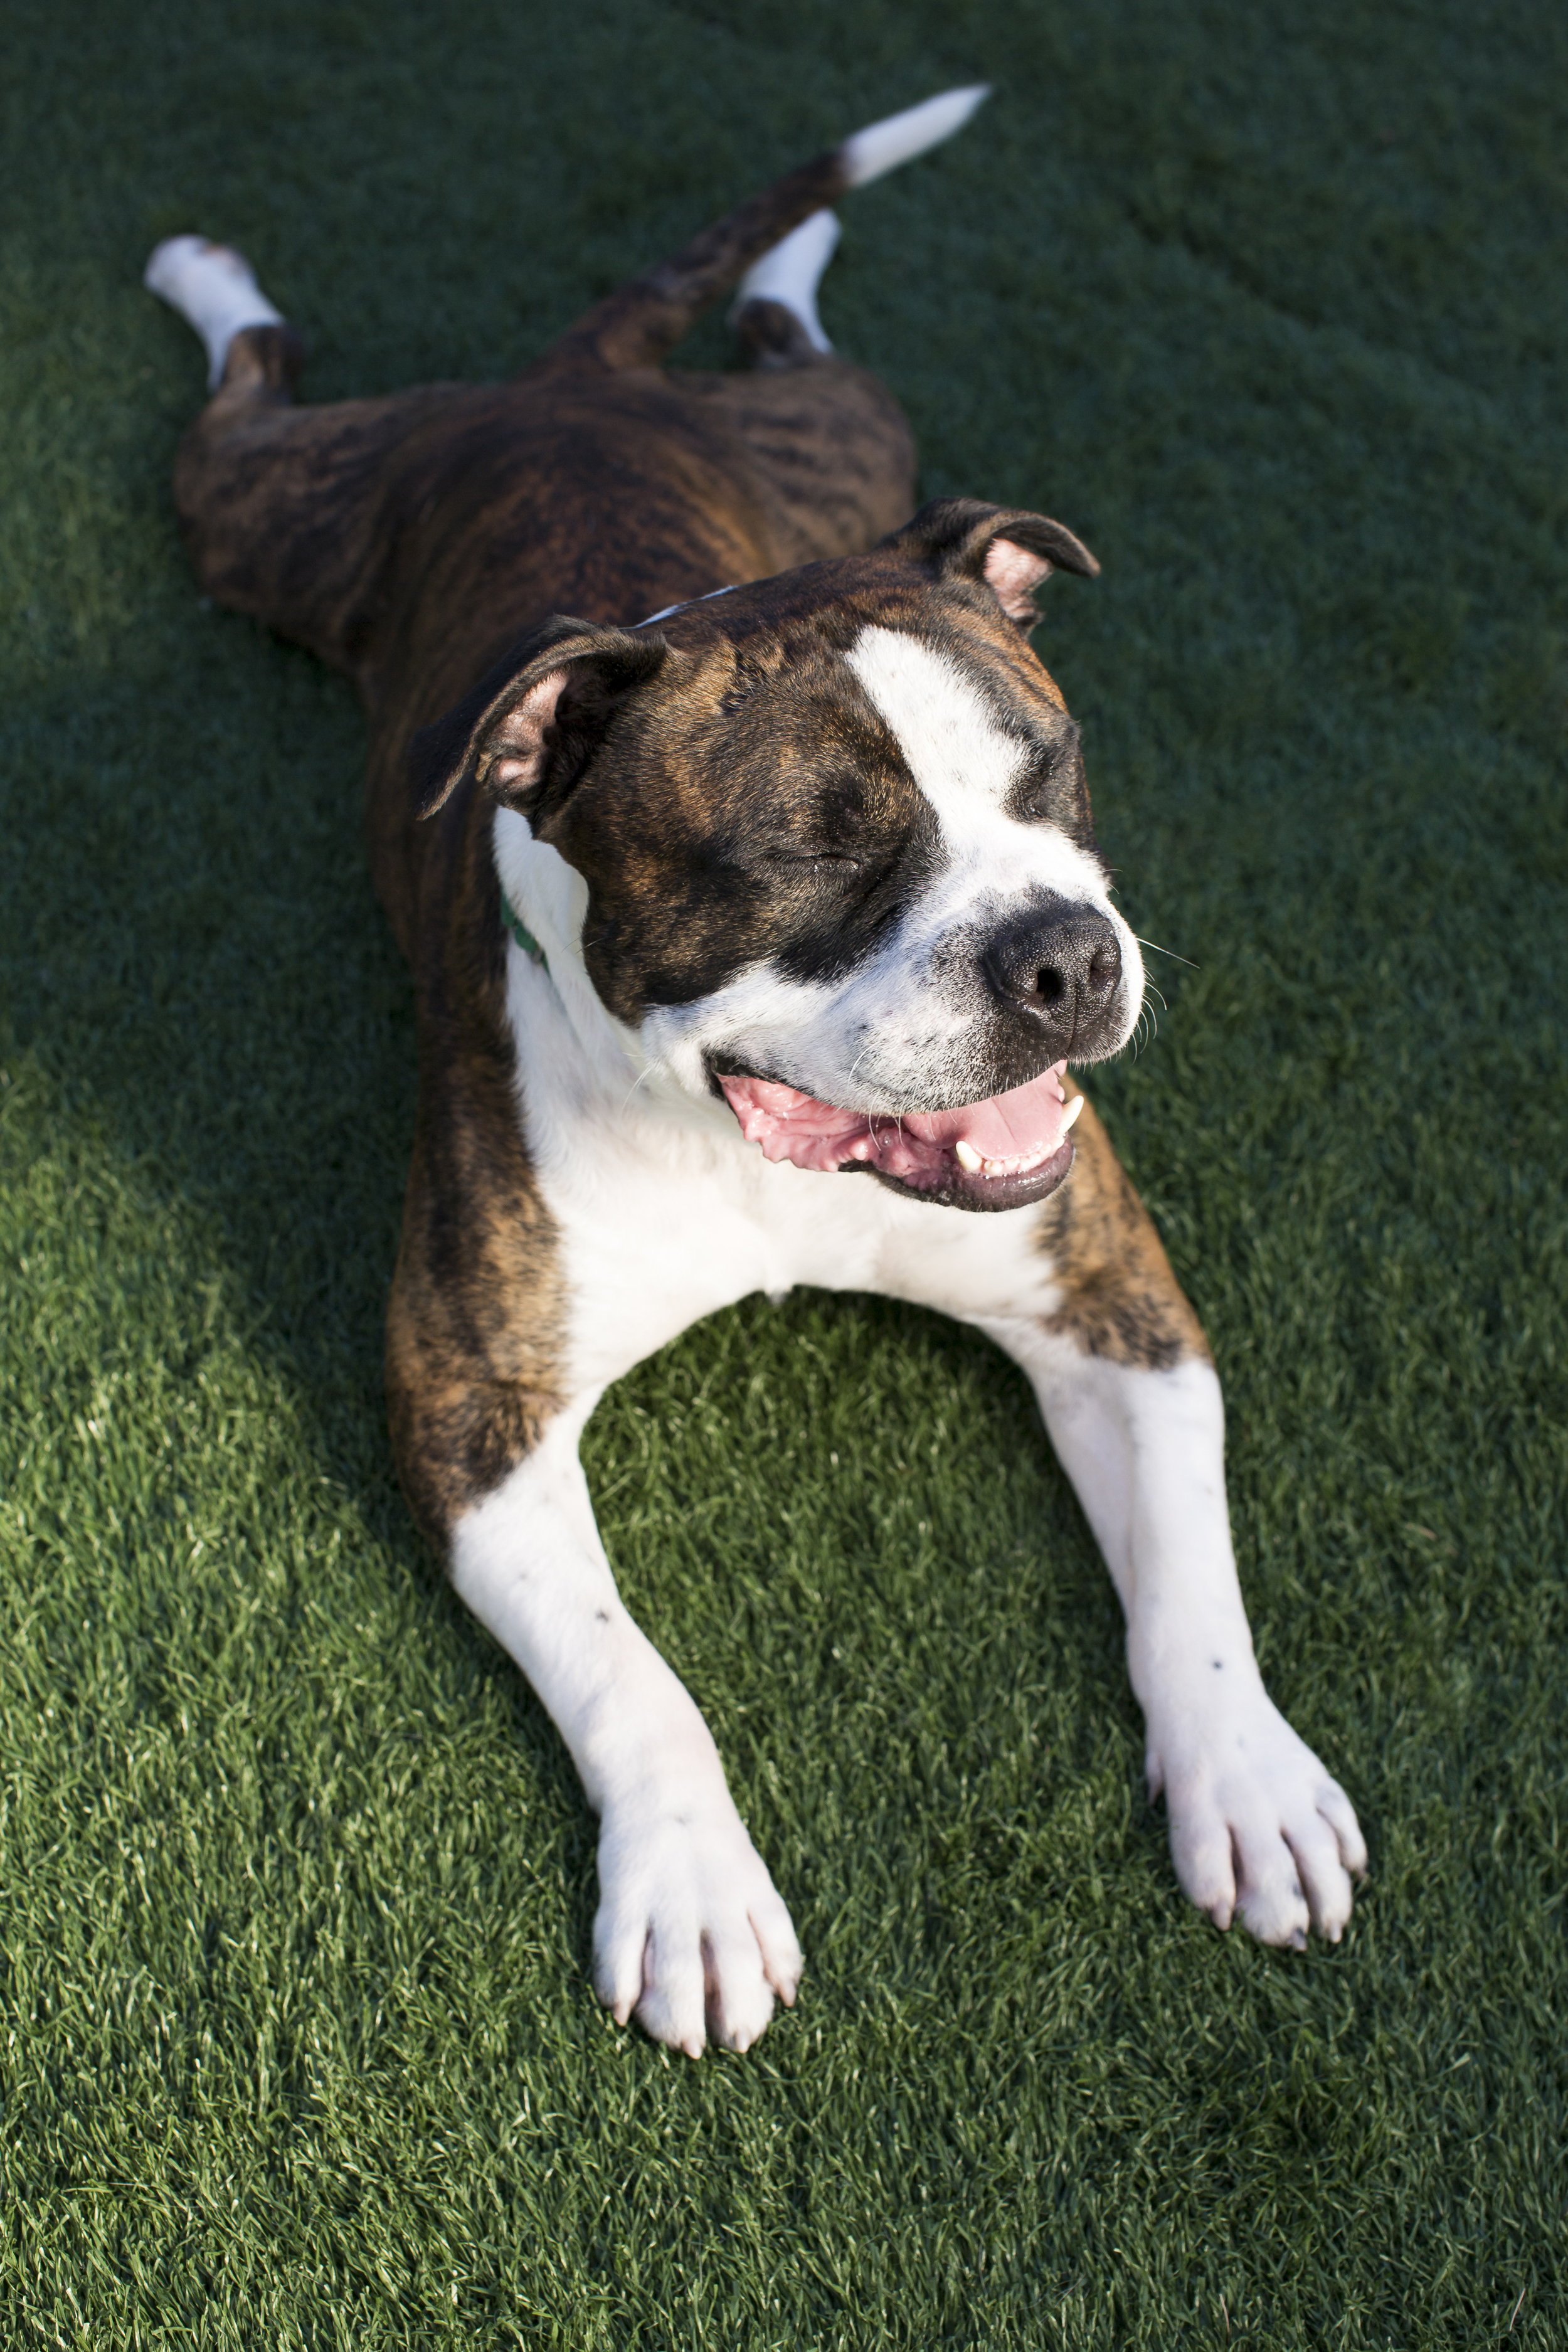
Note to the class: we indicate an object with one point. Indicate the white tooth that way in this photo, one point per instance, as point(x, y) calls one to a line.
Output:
point(968, 1158)
point(1073, 1109)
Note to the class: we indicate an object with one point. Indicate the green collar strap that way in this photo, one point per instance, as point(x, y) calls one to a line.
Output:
point(521, 932)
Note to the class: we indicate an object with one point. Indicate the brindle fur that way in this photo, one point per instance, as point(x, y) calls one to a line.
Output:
point(408, 542)
point(1120, 1298)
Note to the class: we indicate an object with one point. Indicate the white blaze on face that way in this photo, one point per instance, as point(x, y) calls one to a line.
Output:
point(966, 766)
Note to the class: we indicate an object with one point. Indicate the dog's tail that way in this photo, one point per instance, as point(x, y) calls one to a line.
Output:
point(636, 325)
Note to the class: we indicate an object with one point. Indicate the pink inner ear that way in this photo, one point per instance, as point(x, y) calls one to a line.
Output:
point(1013, 572)
point(518, 745)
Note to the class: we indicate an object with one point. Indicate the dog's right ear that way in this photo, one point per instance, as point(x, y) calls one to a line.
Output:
point(510, 733)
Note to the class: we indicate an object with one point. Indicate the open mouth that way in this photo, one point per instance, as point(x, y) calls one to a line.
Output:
point(997, 1154)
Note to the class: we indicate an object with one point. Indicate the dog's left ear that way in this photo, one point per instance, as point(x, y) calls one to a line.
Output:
point(1009, 549)
point(531, 724)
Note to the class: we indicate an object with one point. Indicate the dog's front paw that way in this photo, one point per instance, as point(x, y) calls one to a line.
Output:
point(1260, 1831)
point(690, 1936)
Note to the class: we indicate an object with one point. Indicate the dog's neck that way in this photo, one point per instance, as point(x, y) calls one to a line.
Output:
point(549, 901)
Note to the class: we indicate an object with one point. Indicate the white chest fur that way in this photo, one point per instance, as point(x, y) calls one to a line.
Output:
point(665, 1212)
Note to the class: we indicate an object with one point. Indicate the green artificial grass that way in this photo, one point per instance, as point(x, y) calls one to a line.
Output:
point(297, 2041)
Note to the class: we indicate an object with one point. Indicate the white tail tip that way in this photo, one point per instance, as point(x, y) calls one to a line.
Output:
point(883, 146)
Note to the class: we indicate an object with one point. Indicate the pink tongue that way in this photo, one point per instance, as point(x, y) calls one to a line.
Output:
point(1006, 1126)
point(1024, 1124)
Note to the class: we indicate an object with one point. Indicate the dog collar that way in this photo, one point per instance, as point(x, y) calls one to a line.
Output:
point(520, 931)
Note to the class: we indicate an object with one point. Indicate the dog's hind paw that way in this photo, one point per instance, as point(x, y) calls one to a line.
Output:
point(1259, 1830)
point(214, 289)
point(691, 1936)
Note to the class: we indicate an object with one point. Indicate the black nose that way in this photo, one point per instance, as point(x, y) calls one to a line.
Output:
point(1062, 966)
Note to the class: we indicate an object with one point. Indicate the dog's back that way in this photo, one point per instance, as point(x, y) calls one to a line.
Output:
point(408, 541)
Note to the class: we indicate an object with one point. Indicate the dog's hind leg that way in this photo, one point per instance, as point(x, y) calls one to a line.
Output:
point(775, 311)
point(831, 452)
point(641, 322)
point(282, 507)
point(214, 290)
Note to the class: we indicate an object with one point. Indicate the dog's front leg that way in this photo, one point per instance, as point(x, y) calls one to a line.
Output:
point(690, 1933)
point(1259, 1828)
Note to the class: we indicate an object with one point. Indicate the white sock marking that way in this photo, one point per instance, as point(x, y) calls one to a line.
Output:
point(791, 273)
point(214, 289)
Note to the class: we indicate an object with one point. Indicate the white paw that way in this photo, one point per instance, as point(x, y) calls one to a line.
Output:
point(690, 1936)
point(212, 286)
point(1260, 1831)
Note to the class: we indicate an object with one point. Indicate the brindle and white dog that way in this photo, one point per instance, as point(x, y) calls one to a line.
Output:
point(792, 880)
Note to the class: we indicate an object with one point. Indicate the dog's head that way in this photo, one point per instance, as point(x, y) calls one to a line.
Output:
point(837, 850)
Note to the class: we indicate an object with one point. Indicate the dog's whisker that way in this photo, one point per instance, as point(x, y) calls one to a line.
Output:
point(645, 1072)
point(1166, 951)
